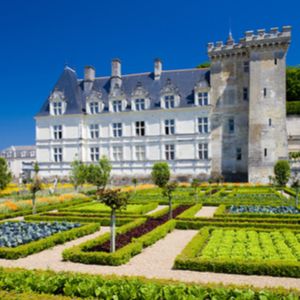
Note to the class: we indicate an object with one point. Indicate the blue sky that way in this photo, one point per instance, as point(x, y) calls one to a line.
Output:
point(39, 37)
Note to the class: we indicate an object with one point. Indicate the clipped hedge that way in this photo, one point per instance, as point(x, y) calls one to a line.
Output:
point(190, 213)
point(189, 259)
point(80, 253)
point(48, 242)
point(293, 107)
point(87, 286)
point(4, 295)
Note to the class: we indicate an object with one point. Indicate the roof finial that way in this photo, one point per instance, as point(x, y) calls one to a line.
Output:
point(230, 40)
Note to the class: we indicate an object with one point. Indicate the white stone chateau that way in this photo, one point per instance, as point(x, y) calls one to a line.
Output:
point(228, 119)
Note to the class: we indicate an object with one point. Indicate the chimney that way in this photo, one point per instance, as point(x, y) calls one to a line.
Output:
point(157, 68)
point(89, 77)
point(116, 79)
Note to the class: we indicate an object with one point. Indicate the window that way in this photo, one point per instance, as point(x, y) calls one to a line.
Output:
point(265, 152)
point(245, 94)
point(203, 125)
point(246, 66)
point(231, 125)
point(140, 128)
point(169, 127)
point(94, 108)
point(140, 152)
point(117, 105)
point(170, 152)
point(265, 92)
point(139, 104)
point(32, 153)
point(94, 131)
point(117, 153)
point(57, 132)
point(270, 122)
point(117, 129)
point(57, 155)
point(203, 151)
point(169, 101)
point(238, 153)
point(23, 153)
point(57, 108)
point(203, 98)
point(94, 154)
point(275, 61)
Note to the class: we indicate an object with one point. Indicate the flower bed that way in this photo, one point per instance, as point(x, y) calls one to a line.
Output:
point(243, 251)
point(263, 209)
point(13, 234)
point(131, 239)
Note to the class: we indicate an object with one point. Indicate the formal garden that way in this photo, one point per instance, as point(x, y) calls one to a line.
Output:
point(201, 239)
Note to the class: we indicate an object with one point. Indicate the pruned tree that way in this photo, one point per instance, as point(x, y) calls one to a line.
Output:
point(168, 191)
point(282, 172)
point(99, 174)
point(195, 186)
point(5, 174)
point(35, 186)
point(134, 181)
point(160, 174)
point(116, 200)
point(78, 174)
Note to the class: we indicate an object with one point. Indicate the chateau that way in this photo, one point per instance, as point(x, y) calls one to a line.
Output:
point(228, 119)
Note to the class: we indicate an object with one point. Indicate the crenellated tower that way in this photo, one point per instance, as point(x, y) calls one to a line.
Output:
point(249, 102)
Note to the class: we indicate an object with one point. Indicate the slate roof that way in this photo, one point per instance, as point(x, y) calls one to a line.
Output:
point(17, 152)
point(183, 80)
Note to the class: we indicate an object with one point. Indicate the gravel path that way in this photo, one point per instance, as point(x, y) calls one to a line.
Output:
point(159, 207)
point(285, 194)
point(154, 262)
point(206, 212)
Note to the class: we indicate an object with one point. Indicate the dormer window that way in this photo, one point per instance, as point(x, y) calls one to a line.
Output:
point(94, 105)
point(58, 104)
point(139, 104)
point(117, 105)
point(94, 108)
point(57, 108)
point(169, 101)
point(203, 98)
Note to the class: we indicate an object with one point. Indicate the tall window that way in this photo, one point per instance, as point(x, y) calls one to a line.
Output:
point(57, 154)
point(265, 92)
point(270, 122)
point(169, 101)
point(94, 131)
point(170, 152)
point(203, 98)
point(94, 108)
point(117, 129)
point(169, 127)
point(139, 104)
point(231, 126)
point(245, 94)
point(57, 132)
point(246, 66)
point(94, 154)
point(57, 108)
point(140, 152)
point(117, 153)
point(203, 151)
point(238, 153)
point(140, 128)
point(203, 125)
point(117, 105)
point(265, 152)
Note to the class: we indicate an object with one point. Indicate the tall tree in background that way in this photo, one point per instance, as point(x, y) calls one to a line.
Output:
point(35, 186)
point(5, 174)
point(78, 174)
point(282, 172)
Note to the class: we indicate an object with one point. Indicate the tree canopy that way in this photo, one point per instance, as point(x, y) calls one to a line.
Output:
point(5, 174)
point(160, 174)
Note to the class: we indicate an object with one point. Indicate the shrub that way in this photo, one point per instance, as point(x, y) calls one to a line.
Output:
point(5, 175)
point(282, 172)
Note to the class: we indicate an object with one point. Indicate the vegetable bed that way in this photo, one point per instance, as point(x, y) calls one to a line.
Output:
point(263, 209)
point(243, 251)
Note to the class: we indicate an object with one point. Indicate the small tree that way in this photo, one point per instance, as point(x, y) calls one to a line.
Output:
point(195, 185)
point(160, 174)
point(35, 186)
point(282, 172)
point(116, 200)
point(168, 191)
point(99, 174)
point(78, 174)
point(134, 182)
point(5, 174)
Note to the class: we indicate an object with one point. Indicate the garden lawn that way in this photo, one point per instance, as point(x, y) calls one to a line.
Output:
point(244, 251)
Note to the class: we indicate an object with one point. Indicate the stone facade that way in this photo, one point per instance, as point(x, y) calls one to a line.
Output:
point(229, 119)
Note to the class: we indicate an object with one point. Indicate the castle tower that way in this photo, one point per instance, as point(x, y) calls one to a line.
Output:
point(248, 99)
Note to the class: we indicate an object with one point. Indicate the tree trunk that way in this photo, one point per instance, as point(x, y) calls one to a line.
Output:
point(297, 196)
point(33, 204)
point(170, 208)
point(113, 231)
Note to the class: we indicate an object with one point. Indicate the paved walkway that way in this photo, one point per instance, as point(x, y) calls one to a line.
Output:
point(154, 262)
point(283, 193)
point(159, 207)
point(206, 212)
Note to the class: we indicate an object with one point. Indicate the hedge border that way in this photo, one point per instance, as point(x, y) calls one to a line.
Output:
point(188, 260)
point(48, 242)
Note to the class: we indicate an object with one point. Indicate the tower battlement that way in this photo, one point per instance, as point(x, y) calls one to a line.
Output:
point(262, 38)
